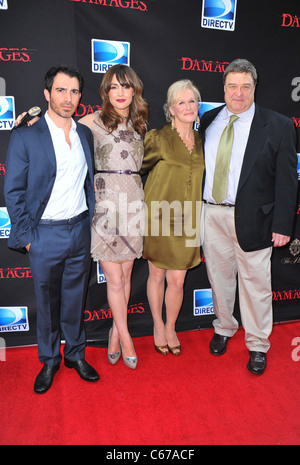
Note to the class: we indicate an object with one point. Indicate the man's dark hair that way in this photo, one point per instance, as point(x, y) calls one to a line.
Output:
point(68, 70)
point(241, 65)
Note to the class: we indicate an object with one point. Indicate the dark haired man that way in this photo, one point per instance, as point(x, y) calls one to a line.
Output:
point(67, 70)
point(50, 200)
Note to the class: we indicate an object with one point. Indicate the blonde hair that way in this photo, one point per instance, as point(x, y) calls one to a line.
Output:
point(173, 93)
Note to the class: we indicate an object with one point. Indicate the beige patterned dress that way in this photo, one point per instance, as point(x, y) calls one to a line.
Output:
point(118, 222)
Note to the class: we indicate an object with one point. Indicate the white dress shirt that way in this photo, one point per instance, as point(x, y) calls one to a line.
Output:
point(212, 138)
point(68, 196)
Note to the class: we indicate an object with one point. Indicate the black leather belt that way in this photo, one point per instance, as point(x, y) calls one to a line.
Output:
point(118, 171)
point(219, 204)
point(73, 220)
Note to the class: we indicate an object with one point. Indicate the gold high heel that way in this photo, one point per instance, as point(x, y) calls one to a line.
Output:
point(162, 349)
point(176, 348)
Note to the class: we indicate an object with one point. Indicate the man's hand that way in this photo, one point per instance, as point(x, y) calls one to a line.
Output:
point(279, 240)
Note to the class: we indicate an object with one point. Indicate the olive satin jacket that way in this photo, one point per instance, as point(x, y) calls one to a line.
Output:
point(173, 199)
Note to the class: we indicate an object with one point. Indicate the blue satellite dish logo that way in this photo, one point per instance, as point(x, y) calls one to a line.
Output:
point(219, 14)
point(5, 225)
point(203, 302)
point(206, 106)
point(203, 108)
point(7, 113)
point(106, 53)
point(13, 319)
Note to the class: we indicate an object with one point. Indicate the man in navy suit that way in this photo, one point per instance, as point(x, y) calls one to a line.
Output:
point(256, 213)
point(50, 200)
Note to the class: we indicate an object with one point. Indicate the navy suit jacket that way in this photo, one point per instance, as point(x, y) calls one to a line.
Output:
point(267, 189)
point(30, 176)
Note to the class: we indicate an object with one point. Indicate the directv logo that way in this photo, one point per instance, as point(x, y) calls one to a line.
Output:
point(7, 113)
point(100, 274)
point(219, 14)
point(13, 319)
point(206, 106)
point(106, 53)
point(203, 303)
point(203, 108)
point(3, 5)
point(4, 223)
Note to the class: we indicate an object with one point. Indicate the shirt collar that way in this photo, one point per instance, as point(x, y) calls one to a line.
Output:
point(245, 116)
point(54, 128)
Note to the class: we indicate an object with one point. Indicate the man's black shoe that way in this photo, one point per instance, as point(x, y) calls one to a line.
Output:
point(45, 378)
point(257, 362)
point(218, 344)
point(85, 371)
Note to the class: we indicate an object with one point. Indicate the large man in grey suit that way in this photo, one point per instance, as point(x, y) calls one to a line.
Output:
point(255, 214)
point(50, 200)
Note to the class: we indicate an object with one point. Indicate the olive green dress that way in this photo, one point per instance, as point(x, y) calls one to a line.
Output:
point(173, 194)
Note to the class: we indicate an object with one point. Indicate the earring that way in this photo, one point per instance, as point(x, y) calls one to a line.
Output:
point(172, 122)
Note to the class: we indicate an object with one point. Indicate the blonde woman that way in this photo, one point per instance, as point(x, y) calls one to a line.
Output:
point(174, 158)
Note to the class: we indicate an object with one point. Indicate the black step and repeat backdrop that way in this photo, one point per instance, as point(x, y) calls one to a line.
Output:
point(163, 40)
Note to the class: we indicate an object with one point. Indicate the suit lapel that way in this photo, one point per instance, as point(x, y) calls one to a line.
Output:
point(86, 149)
point(208, 117)
point(46, 140)
point(256, 140)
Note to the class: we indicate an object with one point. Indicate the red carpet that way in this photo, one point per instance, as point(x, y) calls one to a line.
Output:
point(193, 399)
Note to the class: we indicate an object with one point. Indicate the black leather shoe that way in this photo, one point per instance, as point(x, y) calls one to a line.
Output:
point(257, 362)
point(218, 344)
point(84, 370)
point(45, 378)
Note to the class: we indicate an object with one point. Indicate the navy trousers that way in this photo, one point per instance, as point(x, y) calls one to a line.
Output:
point(60, 263)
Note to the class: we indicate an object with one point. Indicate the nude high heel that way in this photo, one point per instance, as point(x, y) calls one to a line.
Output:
point(112, 357)
point(130, 362)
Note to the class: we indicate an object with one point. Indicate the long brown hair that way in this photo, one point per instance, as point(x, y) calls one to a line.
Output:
point(138, 111)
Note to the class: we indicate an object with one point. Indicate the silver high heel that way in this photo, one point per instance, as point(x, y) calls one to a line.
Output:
point(130, 362)
point(113, 357)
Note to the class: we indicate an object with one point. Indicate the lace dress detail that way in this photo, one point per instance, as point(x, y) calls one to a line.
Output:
point(118, 222)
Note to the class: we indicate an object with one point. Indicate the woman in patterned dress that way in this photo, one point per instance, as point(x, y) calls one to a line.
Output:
point(117, 228)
